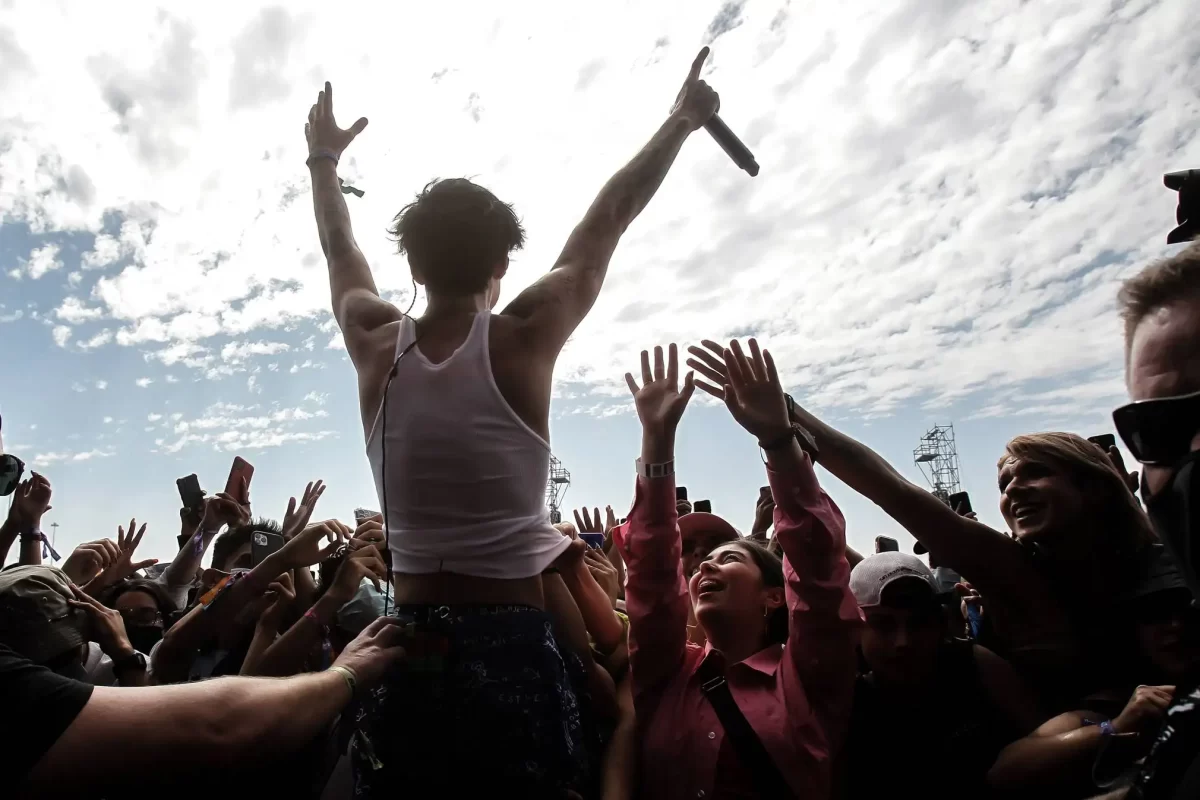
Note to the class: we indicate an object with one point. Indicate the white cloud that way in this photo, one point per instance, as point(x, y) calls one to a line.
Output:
point(42, 260)
point(55, 457)
point(108, 420)
point(61, 335)
point(78, 387)
point(99, 340)
point(240, 351)
point(142, 383)
point(11, 316)
point(978, 197)
point(73, 311)
point(233, 427)
point(154, 417)
point(102, 385)
point(172, 379)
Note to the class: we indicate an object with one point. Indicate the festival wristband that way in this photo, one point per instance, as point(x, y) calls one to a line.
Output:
point(348, 676)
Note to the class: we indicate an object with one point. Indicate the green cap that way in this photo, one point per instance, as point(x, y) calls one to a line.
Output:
point(35, 618)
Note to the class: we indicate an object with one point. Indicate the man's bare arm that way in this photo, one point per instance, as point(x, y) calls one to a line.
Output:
point(357, 306)
point(558, 302)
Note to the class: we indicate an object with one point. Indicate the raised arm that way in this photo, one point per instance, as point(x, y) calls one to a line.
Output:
point(823, 617)
point(656, 596)
point(357, 306)
point(992, 561)
point(556, 304)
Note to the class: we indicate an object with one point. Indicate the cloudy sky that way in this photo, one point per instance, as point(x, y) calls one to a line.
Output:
point(950, 193)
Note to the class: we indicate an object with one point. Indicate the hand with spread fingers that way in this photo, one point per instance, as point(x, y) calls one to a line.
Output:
point(89, 560)
point(748, 385)
point(123, 565)
point(660, 401)
point(297, 516)
point(30, 502)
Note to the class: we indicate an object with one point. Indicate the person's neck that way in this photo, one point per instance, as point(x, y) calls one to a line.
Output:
point(734, 640)
point(439, 306)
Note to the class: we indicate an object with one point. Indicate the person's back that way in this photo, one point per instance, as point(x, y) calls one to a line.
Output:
point(489, 520)
point(460, 459)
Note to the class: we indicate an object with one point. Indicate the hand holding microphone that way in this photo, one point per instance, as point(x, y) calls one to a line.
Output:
point(698, 103)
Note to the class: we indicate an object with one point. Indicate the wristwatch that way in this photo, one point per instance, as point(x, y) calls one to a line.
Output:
point(129, 662)
point(798, 432)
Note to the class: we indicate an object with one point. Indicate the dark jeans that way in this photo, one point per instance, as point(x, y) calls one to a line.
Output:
point(488, 706)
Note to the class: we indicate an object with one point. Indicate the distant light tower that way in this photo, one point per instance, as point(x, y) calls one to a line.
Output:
point(937, 458)
point(54, 534)
point(556, 488)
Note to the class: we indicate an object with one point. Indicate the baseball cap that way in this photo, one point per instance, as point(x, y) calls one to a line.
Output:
point(874, 573)
point(700, 523)
point(35, 618)
point(1159, 573)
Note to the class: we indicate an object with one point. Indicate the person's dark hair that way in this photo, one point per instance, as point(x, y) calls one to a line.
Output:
point(234, 539)
point(1158, 285)
point(771, 567)
point(455, 233)
point(161, 599)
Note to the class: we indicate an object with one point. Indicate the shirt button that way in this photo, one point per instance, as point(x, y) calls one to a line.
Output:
point(711, 735)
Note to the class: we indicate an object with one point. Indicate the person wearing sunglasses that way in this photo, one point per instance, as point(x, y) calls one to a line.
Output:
point(1160, 307)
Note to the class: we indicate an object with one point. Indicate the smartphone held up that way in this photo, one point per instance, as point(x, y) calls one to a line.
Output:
point(238, 484)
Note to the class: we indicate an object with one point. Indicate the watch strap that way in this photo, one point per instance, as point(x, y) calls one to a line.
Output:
point(134, 659)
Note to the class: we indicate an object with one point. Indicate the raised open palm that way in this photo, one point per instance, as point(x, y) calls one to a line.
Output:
point(749, 386)
point(660, 401)
point(322, 131)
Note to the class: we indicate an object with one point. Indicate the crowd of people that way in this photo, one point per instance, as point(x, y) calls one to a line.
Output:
point(456, 643)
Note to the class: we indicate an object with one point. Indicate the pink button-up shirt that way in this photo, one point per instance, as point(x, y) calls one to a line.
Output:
point(797, 698)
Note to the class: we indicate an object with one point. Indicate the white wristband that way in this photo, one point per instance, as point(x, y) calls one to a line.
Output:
point(655, 470)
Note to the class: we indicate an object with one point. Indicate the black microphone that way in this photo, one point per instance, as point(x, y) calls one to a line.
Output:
point(731, 144)
point(1187, 213)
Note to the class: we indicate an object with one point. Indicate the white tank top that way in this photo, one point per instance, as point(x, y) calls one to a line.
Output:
point(466, 478)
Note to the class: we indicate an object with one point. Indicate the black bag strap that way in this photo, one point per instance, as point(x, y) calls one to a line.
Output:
point(768, 781)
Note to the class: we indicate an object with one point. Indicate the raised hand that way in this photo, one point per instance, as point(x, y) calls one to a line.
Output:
point(321, 130)
point(1118, 461)
point(365, 562)
point(697, 101)
point(370, 533)
point(660, 402)
point(604, 572)
point(123, 565)
point(313, 544)
point(751, 390)
point(222, 509)
point(588, 523)
point(296, 518)
point(280, 594)
point(89, 560)
point(30, 501)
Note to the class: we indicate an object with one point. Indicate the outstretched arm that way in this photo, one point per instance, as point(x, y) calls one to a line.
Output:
point(357, 306)
point(558, 302)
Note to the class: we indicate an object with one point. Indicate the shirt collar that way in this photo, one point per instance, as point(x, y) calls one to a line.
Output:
point(765, 661)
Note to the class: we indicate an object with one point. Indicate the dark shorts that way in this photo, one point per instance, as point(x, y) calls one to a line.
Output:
point(490, 706)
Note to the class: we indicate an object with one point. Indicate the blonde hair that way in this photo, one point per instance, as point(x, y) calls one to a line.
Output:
point(1123, 524)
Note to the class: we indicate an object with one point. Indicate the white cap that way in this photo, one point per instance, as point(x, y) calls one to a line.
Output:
point(873, 574)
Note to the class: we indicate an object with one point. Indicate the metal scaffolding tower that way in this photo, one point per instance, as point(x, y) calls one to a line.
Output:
point(937, 458)
point(556, 487)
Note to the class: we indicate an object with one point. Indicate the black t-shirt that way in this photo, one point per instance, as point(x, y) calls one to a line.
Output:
point(38, 703)
point(958, 733)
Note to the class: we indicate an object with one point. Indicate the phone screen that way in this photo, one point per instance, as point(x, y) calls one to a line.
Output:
point(240, 473)
point(263, 544)
point(594, 540)
point(361, 515)
point(764, 493)
point(1104, 441)
point(680, 493)
point(702, 506)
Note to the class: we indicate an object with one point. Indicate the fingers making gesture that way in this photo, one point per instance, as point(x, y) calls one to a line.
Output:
point(322, 131)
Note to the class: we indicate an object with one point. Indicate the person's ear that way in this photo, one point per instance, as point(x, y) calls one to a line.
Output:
point(501, 269)
point(775, 597)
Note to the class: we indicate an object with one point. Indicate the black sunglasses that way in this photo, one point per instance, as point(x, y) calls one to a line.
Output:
point(1159, 432)
point(11, 469)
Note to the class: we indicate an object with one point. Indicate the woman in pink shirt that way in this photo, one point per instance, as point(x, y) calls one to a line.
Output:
point(781, 637)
